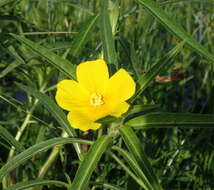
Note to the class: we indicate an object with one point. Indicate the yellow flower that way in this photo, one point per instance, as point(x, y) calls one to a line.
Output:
point(95, 95)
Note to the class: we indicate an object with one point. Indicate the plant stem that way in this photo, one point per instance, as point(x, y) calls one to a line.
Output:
point(22, 128)
point(7, 180)
point(139, 181)
point(52, 157)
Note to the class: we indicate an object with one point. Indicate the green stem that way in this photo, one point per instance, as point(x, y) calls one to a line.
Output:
point(52, 157)
point(6, 181)
point(49, 162)
point(128, 171)
point(22, 129)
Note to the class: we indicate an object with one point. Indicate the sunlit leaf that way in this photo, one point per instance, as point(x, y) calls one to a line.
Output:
point(89, 163)
point(168, 120)
point(35, 149)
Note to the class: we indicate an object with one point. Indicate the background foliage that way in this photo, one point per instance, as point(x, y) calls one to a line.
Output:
point(155, 43)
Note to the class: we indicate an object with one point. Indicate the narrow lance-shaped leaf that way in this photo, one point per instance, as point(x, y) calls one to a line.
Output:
point(61, 64)
point(168, 120)
point(136, 109)
point(35, 183)
point(127, 170)
point(110, 54)
point(108, 186)
point(18, 61)
point(5, 2)
point(174, 27)
point(83, 35)
point(10, 139)
point(57, 113)
point(35, 149)
point(136, 148)
point(162, 64)
point(135, 167)
point(89, 163)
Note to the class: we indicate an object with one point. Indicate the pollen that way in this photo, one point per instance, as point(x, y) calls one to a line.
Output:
point(96, 99)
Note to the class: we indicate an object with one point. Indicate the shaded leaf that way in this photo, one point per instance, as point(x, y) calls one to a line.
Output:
point(136, 148)
point(61, 64)
point(57, 113)
point(83, 35)
point(173, 26)
point(35, 149)
point(34, 183)
point(5, 134)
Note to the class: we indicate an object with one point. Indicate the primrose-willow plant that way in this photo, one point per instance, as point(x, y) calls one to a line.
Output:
point(95, 95)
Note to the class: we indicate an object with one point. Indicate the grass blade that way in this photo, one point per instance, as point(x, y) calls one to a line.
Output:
point(89, 163)
point(163, 64)
point(168, 120)
point(18, 61)
point(135, 167)
point(127, 170)
point(110, 54)
point(5, 134)
point(5, 2)
point(34, 183)
point(108, 186)
point(174, 27)
point(83, 35)
point(33, 150)
point(61, 64)
point(57, 113)
point(135, 147)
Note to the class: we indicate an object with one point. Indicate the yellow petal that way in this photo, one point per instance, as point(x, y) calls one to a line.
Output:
point(93, 75)
point(70, 95)
point(120, 109)
point(120, 87)
point(79, 121)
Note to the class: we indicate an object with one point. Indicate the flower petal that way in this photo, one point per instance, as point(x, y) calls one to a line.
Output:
point(70, 95)
point(93, 75)
point(120, 109)
point(120, 87)
point(78, 121)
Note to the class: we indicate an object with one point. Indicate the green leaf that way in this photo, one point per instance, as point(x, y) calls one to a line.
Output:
point(114, 11)
point(57, 113)
point(108, 119)
point(35, 149)
point(5, 2)
point(18, 61)
point(79, 5)
point(162, 64)
point(173, 26)
point(127, 170)
point(61, 64)
point(110, 54)
point(168, 120)
point(108, 186)
point(83, 35)
point(5, 134)
point(34, 183)
point(142, 108)
point(135, 167)
point(136, 148)
point(89, 163)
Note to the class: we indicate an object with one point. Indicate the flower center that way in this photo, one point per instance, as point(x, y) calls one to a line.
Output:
point(96, 100)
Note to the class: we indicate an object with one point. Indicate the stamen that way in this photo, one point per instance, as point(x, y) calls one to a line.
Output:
point(96, 99)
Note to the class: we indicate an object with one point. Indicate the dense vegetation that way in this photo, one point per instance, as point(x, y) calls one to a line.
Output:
point(165, 141)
